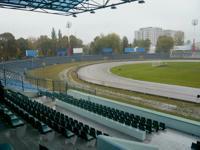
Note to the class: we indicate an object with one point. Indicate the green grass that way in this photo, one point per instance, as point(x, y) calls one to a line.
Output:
point(51, 72)
point(177, 73)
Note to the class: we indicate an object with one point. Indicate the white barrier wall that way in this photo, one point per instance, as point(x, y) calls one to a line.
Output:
point(178, 123)
point(136, 133)
point(112, 143)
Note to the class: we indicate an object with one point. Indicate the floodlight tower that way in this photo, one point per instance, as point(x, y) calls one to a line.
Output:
point(194, 23)
point(68, 26)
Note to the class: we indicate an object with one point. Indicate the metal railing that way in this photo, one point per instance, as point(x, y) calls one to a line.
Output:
point(27, 82)
point(10, 78)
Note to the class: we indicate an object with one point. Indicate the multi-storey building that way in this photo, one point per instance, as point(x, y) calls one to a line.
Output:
point(153, 33)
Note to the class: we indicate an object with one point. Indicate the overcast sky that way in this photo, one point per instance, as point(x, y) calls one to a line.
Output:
point(167, 14)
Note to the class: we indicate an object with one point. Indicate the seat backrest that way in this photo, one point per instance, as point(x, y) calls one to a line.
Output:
point(41, 147)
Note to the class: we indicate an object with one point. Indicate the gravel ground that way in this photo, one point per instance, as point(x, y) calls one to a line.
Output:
point(100, 74)
point(182, 108)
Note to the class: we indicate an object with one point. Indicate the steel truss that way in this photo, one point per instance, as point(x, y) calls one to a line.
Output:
point(62, 7)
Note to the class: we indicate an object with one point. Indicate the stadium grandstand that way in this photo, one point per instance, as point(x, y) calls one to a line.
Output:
point(38, 116)
point(69, 111)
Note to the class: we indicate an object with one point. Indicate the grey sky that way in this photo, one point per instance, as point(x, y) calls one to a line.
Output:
point(168, 14)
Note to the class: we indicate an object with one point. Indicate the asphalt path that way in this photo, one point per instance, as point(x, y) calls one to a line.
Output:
point(100, 74)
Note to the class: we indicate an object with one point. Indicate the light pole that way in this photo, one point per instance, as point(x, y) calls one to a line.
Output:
point(68, 26)
point(194, 23)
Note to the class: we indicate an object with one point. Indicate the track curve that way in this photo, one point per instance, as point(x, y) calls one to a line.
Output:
point(100, 74)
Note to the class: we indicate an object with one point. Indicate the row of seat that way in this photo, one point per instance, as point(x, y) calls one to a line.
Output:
point(42, 128)
point(40, 115)
point(195, 146)
point(9, 117)
point(120, 116)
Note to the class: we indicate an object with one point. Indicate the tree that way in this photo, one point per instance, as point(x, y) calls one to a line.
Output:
point(109, 41)
point(164, 44)
point(114, 42)
point(53, 35)
point(188, 42)
point(86, 49)
point(95, 45)
point(59, 44)
point(146, 44)
point(22, 46)
point(53, 41)
point(8, 46)
point(75, 42)
point(142, 43)
point(32, 43)
point(124, 42)
point(64, 42)
point(44, 44)
point(179, 38)
point(59, 35)
point(11, 48)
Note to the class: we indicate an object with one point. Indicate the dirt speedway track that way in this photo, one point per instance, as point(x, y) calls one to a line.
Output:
point(100, 74)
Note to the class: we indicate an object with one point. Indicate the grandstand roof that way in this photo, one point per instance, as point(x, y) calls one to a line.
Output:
point(61, 7)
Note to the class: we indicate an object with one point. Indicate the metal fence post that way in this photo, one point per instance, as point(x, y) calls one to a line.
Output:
point(37, 83)
point(66, 87)
point(22, 83)
point(60, 86)
point(52, 85)
point(4, 75)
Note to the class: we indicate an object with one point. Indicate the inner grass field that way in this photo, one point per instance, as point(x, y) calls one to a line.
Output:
point(177, 73)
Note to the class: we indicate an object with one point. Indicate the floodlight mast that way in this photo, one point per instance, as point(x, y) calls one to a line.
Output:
point(194, 23)
point(66, 8)
point(68, 26)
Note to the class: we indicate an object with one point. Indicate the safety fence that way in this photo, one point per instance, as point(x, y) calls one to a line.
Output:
point(48, 84)
point(38, 62)
point(26, 82)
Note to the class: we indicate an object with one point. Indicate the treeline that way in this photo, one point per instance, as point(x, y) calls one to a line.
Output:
point(116, 43)
point(11, 48)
